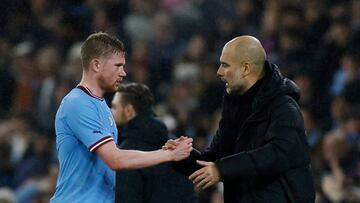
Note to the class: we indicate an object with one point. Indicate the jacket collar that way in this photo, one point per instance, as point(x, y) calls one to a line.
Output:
point(273, 85)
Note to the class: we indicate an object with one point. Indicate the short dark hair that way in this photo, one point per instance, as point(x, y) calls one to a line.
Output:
point(99, 44)
point(138, 95)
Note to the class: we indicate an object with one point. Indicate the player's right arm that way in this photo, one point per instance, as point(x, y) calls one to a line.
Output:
point(83, 119)
point(118, 159)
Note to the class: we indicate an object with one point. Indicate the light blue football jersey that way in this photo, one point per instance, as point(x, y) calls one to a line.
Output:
point(83, 123)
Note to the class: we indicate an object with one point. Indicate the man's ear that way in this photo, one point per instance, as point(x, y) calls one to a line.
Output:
point(95, 65)
point(246, 68)
point(130, 112)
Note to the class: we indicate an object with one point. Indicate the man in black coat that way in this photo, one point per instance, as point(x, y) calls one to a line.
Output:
point(260, 151)
point(142, 130)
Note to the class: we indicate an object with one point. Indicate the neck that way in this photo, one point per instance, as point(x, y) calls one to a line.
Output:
point(252, 81)
point(250, 84)
point(92, 84)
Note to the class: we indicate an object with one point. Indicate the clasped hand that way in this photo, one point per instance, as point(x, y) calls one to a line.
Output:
point(182, 149)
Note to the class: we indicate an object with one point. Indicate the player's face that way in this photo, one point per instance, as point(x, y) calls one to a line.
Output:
point(230, 71)
point(112, 72)
point(118, 109)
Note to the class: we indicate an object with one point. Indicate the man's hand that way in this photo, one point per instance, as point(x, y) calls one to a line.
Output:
point(182, 150)
point(172, 144)
point(207, 176)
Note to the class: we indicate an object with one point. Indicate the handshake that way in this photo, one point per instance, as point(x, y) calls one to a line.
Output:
point(203, 178)
point(178, 149)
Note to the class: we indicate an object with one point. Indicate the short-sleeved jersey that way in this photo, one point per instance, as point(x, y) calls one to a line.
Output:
point(83, 123)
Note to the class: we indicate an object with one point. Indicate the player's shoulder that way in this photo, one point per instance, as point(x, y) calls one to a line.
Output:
point(76, 99)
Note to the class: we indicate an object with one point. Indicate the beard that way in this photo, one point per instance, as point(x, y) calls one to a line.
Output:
point(106, 84)
point(235, 90)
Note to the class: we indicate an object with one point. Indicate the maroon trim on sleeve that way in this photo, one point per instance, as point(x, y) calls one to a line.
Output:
point(99, 143)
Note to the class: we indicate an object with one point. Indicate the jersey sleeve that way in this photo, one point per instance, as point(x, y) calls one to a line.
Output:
point(84, 120)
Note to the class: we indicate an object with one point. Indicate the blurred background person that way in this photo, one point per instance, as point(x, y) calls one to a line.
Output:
point(141, 129)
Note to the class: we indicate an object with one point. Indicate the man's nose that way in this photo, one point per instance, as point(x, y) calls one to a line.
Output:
point(122, 73)
point(219, 71)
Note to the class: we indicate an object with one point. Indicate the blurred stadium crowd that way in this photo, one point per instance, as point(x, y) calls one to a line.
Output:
point(174, 46)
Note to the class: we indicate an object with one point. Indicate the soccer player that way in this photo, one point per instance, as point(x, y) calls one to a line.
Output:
point(86, 131)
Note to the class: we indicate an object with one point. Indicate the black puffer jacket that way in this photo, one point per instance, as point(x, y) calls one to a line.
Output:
point(155, 184)
point(266, 157)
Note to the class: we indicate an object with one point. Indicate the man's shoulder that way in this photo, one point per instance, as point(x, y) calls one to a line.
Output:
point(75, 104)
point(76, 98)
point(284, 109)
point(282, 101)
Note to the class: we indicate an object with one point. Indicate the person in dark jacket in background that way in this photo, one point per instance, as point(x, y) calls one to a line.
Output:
point(142, 130)
point(260, 151)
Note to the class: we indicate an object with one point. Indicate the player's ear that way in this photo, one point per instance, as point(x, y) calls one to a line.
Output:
point(129, 111)
point(95, 64)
